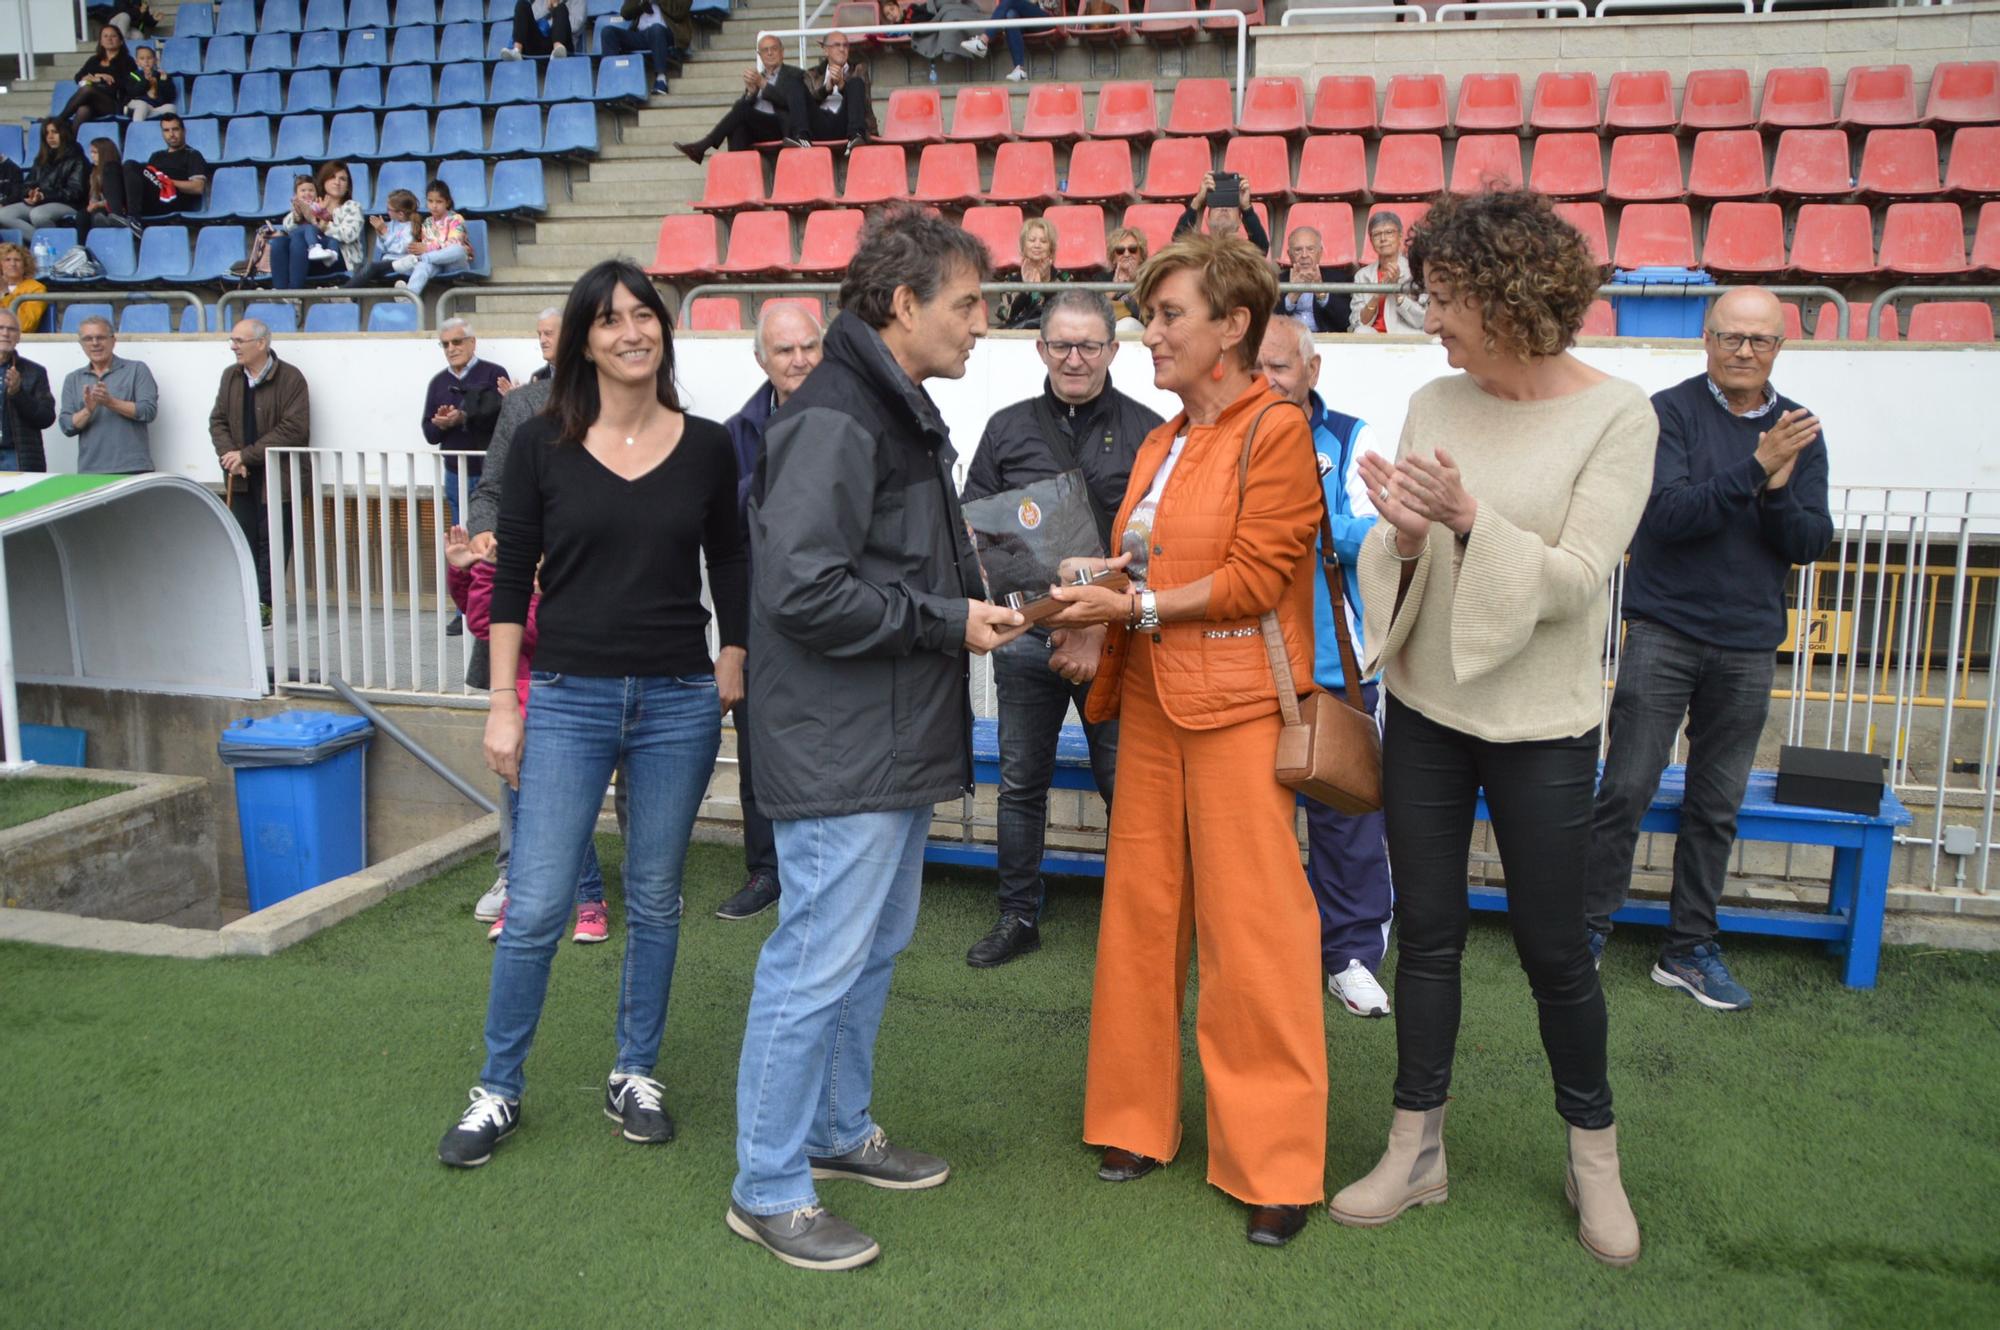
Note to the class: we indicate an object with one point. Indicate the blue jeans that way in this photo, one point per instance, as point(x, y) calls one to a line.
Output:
point(589, 881)
point(655, 43)
point(808, 1066)
point(663, 732)
point(1016, 47)
point(290, 267)
point(437, 263)
point(474, 470)
point(1034, 700)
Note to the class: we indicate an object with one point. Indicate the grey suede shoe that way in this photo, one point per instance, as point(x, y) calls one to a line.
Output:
point(808, 1238)
point(880, 1164)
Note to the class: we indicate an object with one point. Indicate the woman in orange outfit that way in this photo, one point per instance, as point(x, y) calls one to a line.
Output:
point(1203, 841)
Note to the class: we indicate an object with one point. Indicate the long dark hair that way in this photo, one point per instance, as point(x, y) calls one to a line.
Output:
point(573, 396)
point(110, 162)
point(65, 143)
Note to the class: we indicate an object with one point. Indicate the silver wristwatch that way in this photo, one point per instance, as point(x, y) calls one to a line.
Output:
point(1149, 612)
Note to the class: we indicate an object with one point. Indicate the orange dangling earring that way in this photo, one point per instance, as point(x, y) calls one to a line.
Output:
point(1219, 370)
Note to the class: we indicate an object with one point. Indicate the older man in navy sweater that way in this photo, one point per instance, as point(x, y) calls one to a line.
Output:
point(1739, 497)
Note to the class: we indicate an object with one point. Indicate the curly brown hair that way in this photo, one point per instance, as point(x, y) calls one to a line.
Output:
point(1529, 271)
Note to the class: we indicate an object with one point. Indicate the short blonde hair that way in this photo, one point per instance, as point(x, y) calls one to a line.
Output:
point(1231, 275)
point(1040, 224)
point(1131, 233)
point(27, 258)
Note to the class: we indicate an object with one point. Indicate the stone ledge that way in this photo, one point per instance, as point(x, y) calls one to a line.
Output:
point(48, 929)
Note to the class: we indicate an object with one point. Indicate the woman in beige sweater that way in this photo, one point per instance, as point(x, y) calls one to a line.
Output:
point(1517, 485)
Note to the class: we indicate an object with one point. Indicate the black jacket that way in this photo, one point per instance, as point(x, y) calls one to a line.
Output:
point(1104, 435)
point(29, 412)
point(65, 180)
point(861, 570)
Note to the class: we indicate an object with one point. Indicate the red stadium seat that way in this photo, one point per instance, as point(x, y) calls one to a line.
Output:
point(1079, 237)
point(1415, 102)
point(857, 14)
point(1202, 107)
point(1639, 100)
point(1335, 224)
point(1645, 168)
point(948, 175)
point(803, 179)
point(1745, 240)
point(1253, 11)
point(1857, 322)
point(1410, 210)
point(1589, 219)
point(1654, 235)
point(1155, 221)
point(1728, 164)
point(760, 245)
point(1126, 111)
point(1265, 163)
point(715, 314)
point(1952, 321)
point(1794, 330)
point(1600, 320)
point(1798, 98)
point(830, 239)
point(1813, 164)
point(1833, 240)
point(686, 246)
point(1568, 166)
point(1409, 166)
point(1333, 166)
point(1900, 164)
point(1923, 240)
point(1000, 229)
point(1107, 34)
point(1879, 95)
point(876, 173)
point(1055, 112)
point(732, 181)
point(1563, 101)
point(1174, 168)
point(812, 305)
point(981, 115)
point(1274, 106)
point(1485, 161)
point(1024, 173)
point(1170, 33)
point(1964, 92)
point(1344, 103)
point(1100, 171)
point(914, 115)
point(1986, 241)
point(1716, 99)
point(1826, 323)
point(1489, 103)
point(1975, 163)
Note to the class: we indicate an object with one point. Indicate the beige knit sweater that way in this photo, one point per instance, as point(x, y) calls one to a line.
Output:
point(1503, 637)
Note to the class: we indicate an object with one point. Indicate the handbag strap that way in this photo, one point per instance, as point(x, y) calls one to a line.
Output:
point(1267, 623)
point(1336, 590)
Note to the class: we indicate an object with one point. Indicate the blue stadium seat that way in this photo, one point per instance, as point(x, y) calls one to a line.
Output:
point(326, 316)
point(517, 131)
point(358, 90)
point(238, 17)
point(60, 94)
point(710, 12)
point(498, 38)
point(181, 55)
point(602, 8)
point(9, 236)
point(146, 316)
point(367, 46)
point(318, 50)
point(191, 319)
point(482, 251)
point(309, 90)
point(257, 94)
point(163, 255)
point(301, 138)
point(358, 173)
point(351, 134)
point(572, 130)
point(14, 144)
point(622, 81)
point(462, 85)
point(278, 189)
point(116, 249)
point(94, 130)
point(367, 13)
point(280, 316)
point(392, 316)
point(458, 133)
point(205, 137)
point(247, 139)
point(143, 139)
point(462, 11)
point(568, 80)
point(194, 21)
point(224, 55)
point(214, 94)
point(461, 41)
point(518, 190)
point(271, 50)
point(279, 16)
point(409, 85)
point(394, 176)
point(415, 46)
point(231, 196)
point(467, 179)
point(59, 239)
point(405, 134)
point(499, 11)
point(415, 11)
point(74, 315)
point(513, 81)
point(326, 15)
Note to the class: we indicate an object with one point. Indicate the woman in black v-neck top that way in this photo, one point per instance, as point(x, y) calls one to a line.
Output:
point(618, 497)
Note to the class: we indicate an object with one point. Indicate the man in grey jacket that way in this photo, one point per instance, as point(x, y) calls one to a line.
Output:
point(866, 601)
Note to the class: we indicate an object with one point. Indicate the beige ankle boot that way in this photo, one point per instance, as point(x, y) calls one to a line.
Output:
point(1606, 1228)
point(1411, 1173)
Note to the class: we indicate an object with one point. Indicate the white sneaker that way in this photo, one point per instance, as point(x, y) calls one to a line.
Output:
point(974, 47)
point(404, 263)
point(1017, 75)
point(321, 254)
point(489, 905)
point(1358, 991)
point(559, 51)
point(510, 53)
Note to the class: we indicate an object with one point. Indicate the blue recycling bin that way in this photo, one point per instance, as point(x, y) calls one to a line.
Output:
point(1661, 316)
point(300, 799)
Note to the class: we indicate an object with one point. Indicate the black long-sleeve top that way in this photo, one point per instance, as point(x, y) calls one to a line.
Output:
point(1716, 544)
point(621, 559)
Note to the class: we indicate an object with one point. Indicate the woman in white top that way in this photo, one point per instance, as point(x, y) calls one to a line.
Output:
point(1375, 313)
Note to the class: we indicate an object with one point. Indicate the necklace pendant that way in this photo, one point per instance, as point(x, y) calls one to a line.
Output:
point(630, 440)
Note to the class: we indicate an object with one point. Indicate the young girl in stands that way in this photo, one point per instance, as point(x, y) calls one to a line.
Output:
point(393, 236)
point(153, 94)
point(469, 579)
point(444, 247)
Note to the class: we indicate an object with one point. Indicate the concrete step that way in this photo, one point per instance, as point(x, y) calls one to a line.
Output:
point(562, 263)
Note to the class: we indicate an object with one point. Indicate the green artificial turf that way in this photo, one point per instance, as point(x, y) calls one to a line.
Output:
point(26, 798)
point(250, 1143)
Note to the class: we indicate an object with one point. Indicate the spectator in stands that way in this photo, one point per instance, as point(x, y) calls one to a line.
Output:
point(106, 174)
point(1320, 311)
point(1077, 422)
point(107, 405)
point(104, 83)
point(444, 247)
point(125, 15)
point(1347, 860)
point(17, 270)
point(26, 405)
point(393, 236)
point(153, 94)
point(13, 185)
point(867, 599)
point(1017, 47)
point(58, 183)
point(1517, 486)
point(1739, 496)
point(1377, 313)
point(1222, 219)
point(1127, 247)
point(774, 105)
point(304, 247)
point(646, 31)
point(618, 498)
point(461, 407)
point(170, 182)
point(838, 89)
point(787, 348)
point(1203, 848)
point(1023, 309)
point(262, 403)
point(545, 28)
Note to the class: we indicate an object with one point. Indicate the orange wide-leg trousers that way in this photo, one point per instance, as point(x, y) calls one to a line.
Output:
point(1203, 845)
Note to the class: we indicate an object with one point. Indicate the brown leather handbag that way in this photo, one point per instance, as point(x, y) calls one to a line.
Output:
point(1329, 749)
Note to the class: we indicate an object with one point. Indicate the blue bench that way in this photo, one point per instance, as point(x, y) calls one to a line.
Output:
point(1851, 925)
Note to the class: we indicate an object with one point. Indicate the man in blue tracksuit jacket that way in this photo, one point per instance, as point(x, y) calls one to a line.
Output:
point(1348, 858)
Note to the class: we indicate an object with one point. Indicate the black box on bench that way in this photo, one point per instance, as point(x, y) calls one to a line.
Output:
point(1831, 778)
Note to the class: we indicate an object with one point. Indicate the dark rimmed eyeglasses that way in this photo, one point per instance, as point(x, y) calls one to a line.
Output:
point(1121, 250)
point(1761, 343)
point(1088, 350)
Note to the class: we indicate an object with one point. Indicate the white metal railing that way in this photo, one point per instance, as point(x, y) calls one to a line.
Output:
point(1544, 8)
point(1606, 8)
point(1395, 13)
